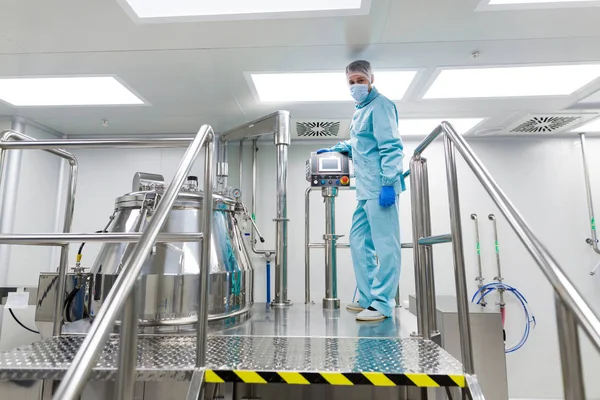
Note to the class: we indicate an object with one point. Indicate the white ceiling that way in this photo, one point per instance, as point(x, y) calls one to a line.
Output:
point(193, 73)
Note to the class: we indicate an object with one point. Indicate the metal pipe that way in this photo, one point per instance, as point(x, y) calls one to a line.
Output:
point(416, 168)
point(15, 134)
point(588, 190)
point(551, 269)
point(281, 222)
point(222, 164)
point(241, 159)
point(431, 240)
point(76, 376)
point(96, 143)
point(307, 245)
point(479, 278)
point(252, 233)
point(498, 278)
point(203, 288)
point(331, 300)
point(128, 348)
point(428, 252)
point(60, 239)
point(570, 352)
point(460, 276)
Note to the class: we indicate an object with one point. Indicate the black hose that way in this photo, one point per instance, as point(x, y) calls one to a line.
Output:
point(83, 244)
point(20, 323)
point(448, 393)
point(69, 302)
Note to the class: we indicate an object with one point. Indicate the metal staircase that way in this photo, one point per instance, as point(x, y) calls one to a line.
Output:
point(281, 356)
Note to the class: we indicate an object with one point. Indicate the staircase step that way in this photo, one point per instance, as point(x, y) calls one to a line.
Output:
point(252, 359)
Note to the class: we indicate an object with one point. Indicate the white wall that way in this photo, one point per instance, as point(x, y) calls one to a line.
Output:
point(542, 177)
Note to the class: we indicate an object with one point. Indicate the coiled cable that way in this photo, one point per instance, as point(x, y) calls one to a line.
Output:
point(530, 321)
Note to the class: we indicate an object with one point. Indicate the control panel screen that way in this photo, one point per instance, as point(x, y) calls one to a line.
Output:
point(330, 165)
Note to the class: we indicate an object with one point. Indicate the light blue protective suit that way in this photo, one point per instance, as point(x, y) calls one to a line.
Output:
point(377, 151)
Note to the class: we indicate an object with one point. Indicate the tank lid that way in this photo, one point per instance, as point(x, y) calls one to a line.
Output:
point(194, 198)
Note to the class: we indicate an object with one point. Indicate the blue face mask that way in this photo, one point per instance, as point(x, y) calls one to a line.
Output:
point(359, 92)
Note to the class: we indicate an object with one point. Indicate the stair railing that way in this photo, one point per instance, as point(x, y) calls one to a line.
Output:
point(121, 296)
point(572, 310)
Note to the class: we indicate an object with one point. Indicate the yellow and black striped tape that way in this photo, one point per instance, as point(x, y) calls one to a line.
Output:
point(335, 378)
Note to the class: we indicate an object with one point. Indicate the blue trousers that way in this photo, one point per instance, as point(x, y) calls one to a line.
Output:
point(376, 232)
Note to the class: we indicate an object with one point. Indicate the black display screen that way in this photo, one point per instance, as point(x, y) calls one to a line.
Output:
point(330, 164)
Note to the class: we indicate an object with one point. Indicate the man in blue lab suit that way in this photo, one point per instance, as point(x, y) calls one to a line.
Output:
point(377, 151)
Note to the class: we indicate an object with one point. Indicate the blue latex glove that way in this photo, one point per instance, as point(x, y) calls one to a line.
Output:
point(320, 151)
point(387, 196)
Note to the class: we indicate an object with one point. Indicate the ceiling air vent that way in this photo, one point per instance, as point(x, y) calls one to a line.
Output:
point(549, 123)
point(317, 129)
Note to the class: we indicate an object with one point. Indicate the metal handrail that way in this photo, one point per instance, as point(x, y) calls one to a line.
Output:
point(10, 134)
point(76, 376)
point(60, 239)
point(571, 306)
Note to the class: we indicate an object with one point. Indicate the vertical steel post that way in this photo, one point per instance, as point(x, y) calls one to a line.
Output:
point(282, 142)
point(570, 352)
point(203, 288)
point(464, 323)
point(64, 250)
point(331, 300)
point(128, 347)
point(306, 245)
point(428, 252)
point(416, 177)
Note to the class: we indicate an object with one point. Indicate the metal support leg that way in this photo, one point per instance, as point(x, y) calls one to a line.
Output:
point(464, 323)
point(331, 299)
point(570, 353)
point(203, 289)
point(129, 346)
point(306, 246)
point(428, 253)
point(416, 177)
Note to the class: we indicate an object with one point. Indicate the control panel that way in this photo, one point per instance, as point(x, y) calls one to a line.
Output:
point(328, 169)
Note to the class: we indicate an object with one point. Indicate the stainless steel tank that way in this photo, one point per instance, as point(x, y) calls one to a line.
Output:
point(169, 279)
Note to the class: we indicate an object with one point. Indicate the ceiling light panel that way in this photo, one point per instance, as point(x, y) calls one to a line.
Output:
point(66, 91)
point(423, 127)
point(324, 86)
point(207, 8)
point(552, 80)
point(593, 126)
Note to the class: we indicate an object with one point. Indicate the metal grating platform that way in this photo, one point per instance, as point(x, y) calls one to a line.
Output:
point(300, 360)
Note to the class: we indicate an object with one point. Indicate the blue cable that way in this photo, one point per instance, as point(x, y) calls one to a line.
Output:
point(530, 318)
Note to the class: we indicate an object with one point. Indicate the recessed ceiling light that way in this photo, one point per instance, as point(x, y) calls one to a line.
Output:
point(536, 1)
point(200, 8)
point(68, 91)
point(593, 126)
point(423, 127)
point(553, 80)
point(324, 86)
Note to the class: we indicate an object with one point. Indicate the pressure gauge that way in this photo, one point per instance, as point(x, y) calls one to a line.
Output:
point(237, 193)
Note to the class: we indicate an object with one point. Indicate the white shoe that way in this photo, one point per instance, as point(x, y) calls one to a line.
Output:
point(370, 316)
point(354, 307)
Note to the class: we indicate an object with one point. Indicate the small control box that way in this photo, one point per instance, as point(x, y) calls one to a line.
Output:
point(328, 169)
